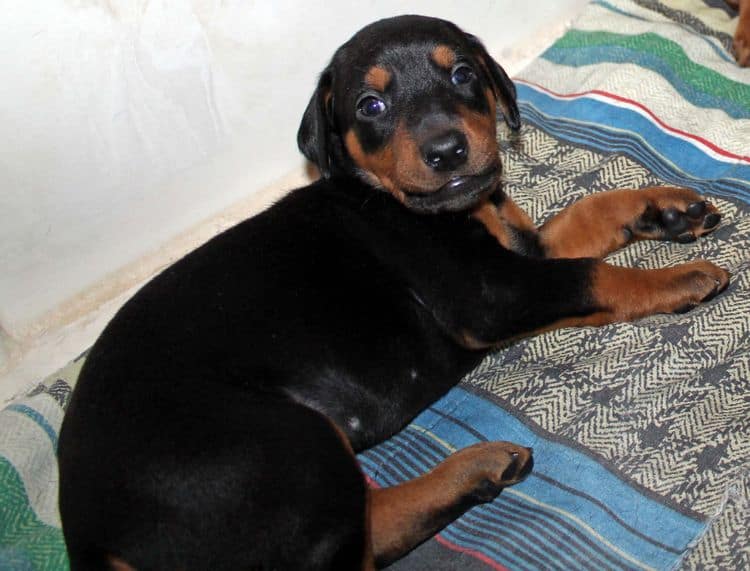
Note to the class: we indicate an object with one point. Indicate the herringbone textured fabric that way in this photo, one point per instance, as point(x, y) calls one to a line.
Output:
point(725, 544)
point(665, 401)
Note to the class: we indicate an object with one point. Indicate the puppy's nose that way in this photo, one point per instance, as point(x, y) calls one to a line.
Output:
point(446, 152)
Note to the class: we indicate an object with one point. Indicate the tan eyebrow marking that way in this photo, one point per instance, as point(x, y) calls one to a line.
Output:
point(378, 78)
point(444, 56)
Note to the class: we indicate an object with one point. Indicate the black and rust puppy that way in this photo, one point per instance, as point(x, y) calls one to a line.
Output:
point(214, 422)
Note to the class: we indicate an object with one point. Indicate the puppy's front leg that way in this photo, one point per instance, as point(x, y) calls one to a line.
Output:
point(625, 294)
point(523, 295)
point(603, 222)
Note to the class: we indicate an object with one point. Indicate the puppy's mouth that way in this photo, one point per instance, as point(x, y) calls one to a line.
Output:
point(459, 193)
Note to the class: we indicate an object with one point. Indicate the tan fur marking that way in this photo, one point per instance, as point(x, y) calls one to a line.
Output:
point(468, 341)
point(377, 167)
point(405, 515)
point(489, 95)
point(741, 44)
point(488, 215)
point(514, 215)
point(591, 227)
point(481, 134)
point(117, 564)
point(378, 78)
point(401, 517)
point(500, 221)
point(368, 560)
point(627, 294)
point(396, 167)
point(444, 56)
point(631, 293)
point(594, 226)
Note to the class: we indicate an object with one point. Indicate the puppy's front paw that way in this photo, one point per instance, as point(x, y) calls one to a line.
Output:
point(698, 281)
point(675, 214)
point(626, 294)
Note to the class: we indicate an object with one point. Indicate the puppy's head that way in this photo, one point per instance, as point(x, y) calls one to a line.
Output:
point(409, 105)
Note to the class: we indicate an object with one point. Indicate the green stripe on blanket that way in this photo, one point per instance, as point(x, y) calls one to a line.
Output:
point(26, 543)
point(654, 52)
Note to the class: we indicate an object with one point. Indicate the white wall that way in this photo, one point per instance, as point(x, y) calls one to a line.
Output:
point(126, 123)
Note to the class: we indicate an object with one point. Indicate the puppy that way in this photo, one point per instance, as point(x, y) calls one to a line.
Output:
point(215, 421)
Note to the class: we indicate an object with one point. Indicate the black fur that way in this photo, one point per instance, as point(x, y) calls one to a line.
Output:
point(200, 434)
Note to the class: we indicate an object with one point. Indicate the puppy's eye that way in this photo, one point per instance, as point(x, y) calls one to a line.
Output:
point(370, 106)
point(461, 74)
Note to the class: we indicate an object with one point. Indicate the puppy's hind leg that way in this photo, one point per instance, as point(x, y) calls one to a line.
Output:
point(228, 482)
point(404, 516)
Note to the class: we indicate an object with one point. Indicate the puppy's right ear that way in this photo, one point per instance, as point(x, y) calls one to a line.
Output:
point(314, 135)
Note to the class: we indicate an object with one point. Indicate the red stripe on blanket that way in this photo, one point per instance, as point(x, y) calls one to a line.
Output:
point(475, 554)
point(715, 148)
point(450, 545)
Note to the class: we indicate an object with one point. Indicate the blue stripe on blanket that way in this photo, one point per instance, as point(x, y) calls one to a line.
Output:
point(593, 137)
point(610, 128)
point(37, 417)
point(571, 512)
point(582, 56)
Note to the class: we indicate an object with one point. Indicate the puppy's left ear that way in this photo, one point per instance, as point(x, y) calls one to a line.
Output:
point(314, 135)
point(502, 85)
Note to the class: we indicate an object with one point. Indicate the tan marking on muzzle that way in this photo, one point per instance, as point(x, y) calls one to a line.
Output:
point(481, 133)
point(394, 167)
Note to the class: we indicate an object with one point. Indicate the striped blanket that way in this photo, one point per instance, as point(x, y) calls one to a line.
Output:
point(641, 431)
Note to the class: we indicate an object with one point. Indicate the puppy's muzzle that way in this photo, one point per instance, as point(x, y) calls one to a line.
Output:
point(459, 193)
